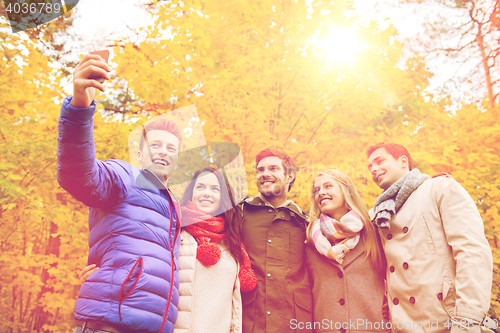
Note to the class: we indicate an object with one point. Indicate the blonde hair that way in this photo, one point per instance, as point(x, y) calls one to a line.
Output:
point(352, 201)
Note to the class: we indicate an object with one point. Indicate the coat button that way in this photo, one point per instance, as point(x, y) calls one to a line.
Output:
point(395, 301)
point(440, 296)
point(268, 312)
point(268, 274)
point(389, 236)
point(341, 302)
point(392, 269)
point(341, 275)
point(405, 230)
point(269, 241)
point(405, 265)
point(270, 210)
point(412, 300)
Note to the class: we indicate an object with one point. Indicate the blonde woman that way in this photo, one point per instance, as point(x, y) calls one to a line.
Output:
point(345, 259)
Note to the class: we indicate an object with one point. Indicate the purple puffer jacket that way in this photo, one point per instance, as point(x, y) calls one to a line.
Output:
point(130, 232)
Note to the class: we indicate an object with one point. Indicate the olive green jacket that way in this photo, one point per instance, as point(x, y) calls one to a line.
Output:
point(275, 241)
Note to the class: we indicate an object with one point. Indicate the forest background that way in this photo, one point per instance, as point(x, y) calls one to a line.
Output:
point(261, 73)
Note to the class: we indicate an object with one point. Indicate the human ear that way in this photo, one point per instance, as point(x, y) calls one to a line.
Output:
point(404, 161)
point(139, 156)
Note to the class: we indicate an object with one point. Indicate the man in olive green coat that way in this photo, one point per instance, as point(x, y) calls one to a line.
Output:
point(274, 236)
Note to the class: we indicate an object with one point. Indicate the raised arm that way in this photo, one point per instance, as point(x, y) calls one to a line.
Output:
point(90, 181)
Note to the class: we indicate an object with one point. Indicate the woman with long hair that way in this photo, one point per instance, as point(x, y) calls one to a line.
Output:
point(345, 259)
point(213, 263)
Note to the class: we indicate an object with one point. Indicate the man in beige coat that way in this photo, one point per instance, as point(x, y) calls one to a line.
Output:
point(439, 263)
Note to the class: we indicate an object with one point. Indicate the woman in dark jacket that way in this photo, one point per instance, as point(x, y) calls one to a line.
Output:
point(345, 259)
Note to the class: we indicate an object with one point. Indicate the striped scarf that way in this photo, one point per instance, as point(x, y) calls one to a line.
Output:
point(346, 235)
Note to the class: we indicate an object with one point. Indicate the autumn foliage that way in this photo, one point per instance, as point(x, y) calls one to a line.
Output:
point(257, 79)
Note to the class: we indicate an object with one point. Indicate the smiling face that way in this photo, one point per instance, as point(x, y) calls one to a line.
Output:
point(159, 153)
point(207, 193)
point(385, 169)
point(271, 178)
point(328, 197)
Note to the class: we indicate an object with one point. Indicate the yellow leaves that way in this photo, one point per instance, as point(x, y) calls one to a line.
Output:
point(14, 177)
point(30, 212)
point(244, 66)
point(55, 301)
point(9, 206)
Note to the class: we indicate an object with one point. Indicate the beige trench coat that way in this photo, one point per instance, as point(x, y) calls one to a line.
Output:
point(187, 262)
point(439, 263)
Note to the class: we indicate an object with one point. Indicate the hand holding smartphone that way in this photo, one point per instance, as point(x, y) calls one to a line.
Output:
point(105, 55)
point(85, 83)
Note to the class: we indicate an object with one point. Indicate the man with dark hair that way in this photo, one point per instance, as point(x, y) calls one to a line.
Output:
point(133, 222)
point(394, 149)
point(439, 263)
point(287, 161)
point(274, 236)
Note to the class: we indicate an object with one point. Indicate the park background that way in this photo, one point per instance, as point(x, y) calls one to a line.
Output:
point(315, 77)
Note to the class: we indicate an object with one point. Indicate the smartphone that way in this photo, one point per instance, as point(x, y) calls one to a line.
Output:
point(105, 55)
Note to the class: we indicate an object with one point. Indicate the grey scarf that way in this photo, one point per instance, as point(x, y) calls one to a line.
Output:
point(389, 202)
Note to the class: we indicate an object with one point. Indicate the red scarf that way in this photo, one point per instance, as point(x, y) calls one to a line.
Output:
point(209, 230)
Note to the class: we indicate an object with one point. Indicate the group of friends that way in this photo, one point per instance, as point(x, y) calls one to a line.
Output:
point(418, 261)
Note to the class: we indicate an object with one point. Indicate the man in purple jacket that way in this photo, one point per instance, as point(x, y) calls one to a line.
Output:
point(133, 220)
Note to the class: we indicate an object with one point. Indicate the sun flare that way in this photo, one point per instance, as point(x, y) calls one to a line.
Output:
point(340, 45)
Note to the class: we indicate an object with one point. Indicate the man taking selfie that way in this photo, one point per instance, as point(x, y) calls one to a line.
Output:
point(133, 220)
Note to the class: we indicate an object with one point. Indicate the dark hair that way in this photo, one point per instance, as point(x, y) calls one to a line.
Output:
point(231, 216)
point(288, 163)
point(396, 150)
point(162, 124)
